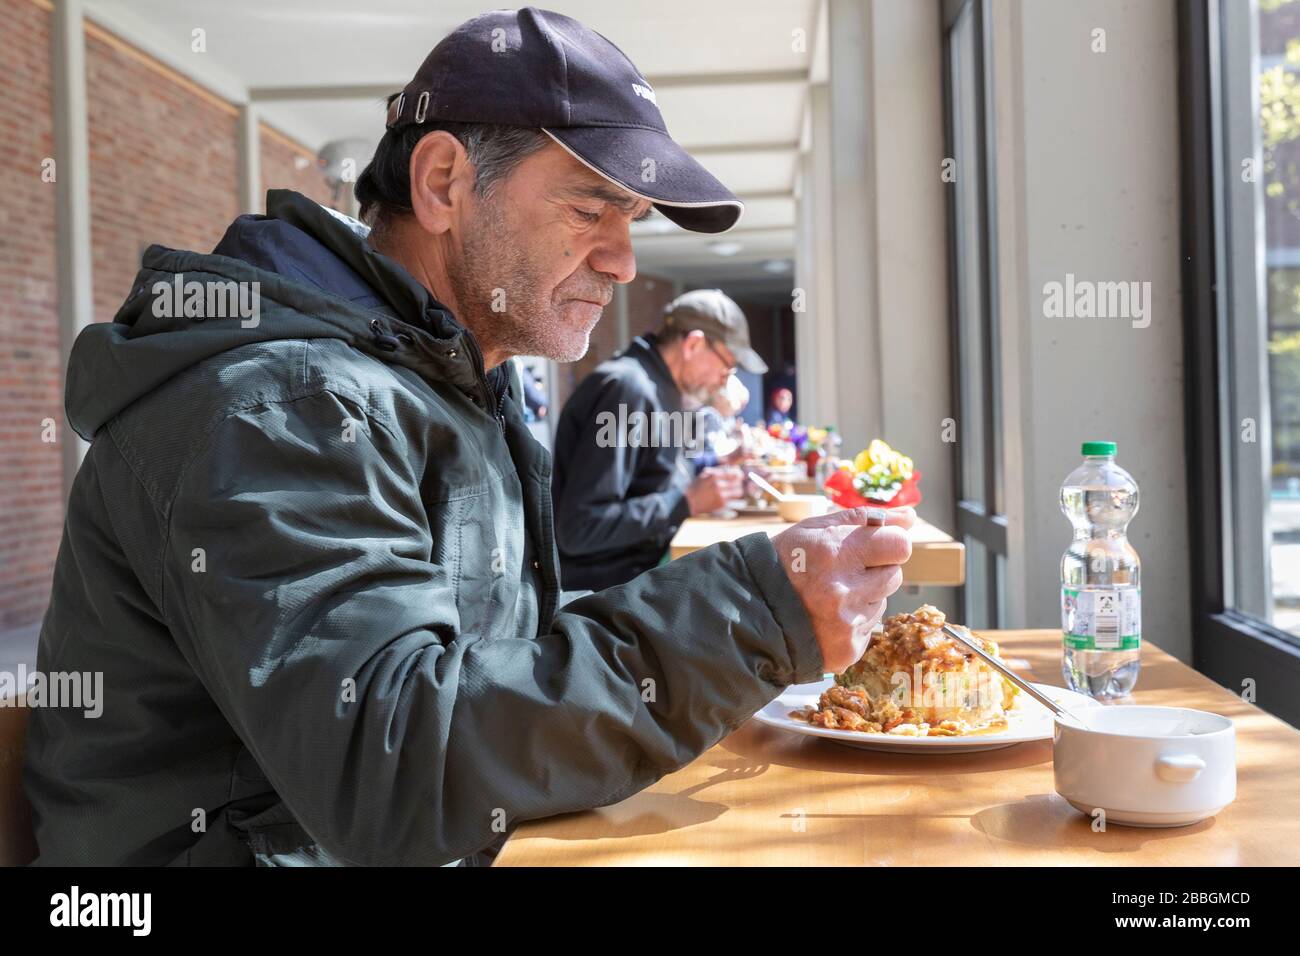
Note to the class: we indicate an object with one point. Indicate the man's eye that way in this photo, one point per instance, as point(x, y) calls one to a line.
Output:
point(586, 215)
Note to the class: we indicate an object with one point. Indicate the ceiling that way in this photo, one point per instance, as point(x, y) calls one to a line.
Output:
point(731, 78)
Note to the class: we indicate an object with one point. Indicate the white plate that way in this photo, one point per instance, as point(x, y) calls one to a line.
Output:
point(1028, 720)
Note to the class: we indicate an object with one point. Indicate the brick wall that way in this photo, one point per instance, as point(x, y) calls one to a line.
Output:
point(162, 169)
point(162, 165)
point(646, 297)
point(290, 165)
point(31, 510)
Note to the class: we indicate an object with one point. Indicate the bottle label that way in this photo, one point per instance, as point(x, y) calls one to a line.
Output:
point(1102, 619)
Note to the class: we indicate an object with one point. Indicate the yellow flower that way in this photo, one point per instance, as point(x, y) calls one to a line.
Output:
point(879, 459)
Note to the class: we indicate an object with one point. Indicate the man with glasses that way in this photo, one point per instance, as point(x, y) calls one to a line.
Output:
point(621, 484)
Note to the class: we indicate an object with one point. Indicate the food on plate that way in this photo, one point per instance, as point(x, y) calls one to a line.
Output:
point(767, 449)
point(915, 680)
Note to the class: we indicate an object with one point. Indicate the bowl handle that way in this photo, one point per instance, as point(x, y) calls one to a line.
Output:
point(1179, 768)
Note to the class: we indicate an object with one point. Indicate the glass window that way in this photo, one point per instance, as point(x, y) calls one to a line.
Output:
point(1239, 116)
point(1260, 132)
point(1278, 71)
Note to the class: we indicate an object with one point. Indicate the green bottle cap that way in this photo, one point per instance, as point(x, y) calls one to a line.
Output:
point(1099, 448)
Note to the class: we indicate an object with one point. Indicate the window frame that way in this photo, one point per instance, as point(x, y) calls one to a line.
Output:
point(977, 518)
point(1228, 646)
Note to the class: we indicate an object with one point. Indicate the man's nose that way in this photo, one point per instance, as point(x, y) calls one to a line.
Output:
point(613, 254)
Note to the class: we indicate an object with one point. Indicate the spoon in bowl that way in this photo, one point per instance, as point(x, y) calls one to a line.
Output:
point(762, 483)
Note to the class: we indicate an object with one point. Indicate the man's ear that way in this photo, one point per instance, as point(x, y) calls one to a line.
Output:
point(442, 180)
point(692, 343)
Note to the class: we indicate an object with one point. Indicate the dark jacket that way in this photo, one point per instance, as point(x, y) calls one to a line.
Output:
point(313, 560)
point(619, 502)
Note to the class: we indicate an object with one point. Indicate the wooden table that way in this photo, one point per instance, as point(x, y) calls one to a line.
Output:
point(17, 842)
point(936, 558)
point(763, 796)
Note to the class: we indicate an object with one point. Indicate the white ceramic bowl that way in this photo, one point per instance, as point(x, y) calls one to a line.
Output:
point(1146, 766)
point(798, 507)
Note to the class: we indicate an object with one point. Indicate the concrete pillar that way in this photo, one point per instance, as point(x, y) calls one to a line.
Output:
point(839, 340)
point(1086, 185)
point(850, 110)
point(822, 387)
point(910, 385)
point(72, 203)
point(806, 353)
point(872, 255)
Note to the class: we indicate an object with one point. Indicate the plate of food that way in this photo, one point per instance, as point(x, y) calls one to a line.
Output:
point(916, 690)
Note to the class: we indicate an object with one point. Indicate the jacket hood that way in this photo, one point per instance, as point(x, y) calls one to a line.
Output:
point(300, 272)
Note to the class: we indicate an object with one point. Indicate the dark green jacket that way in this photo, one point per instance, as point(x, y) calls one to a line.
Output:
point(313, 559)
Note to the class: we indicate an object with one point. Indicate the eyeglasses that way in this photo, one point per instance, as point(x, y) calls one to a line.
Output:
point(729, 364)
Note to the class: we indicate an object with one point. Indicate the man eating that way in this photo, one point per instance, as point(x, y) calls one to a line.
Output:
point(622, 492)
point(311, 550)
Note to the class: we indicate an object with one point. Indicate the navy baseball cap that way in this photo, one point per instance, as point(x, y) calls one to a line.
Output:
point(544, 70)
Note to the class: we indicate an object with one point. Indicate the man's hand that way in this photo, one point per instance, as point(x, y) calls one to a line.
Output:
point(713, 489)
point(843, 565)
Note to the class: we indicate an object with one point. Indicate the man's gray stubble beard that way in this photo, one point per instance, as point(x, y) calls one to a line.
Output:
point(515, 331)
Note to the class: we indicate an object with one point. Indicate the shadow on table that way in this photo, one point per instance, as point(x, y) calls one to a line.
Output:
point(652, 811)
point(1046, 820)
point(758, 743)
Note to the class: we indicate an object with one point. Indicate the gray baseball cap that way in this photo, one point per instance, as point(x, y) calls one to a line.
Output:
point(717, 316)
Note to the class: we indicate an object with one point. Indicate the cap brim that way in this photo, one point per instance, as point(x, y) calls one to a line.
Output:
point(680, 188)
point(750, 361)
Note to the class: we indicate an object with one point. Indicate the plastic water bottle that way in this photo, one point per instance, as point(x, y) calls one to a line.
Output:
point(1101, 593)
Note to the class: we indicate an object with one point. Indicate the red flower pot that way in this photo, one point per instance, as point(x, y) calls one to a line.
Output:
point(839, 487)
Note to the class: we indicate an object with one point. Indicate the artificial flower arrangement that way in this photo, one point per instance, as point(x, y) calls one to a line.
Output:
point(878, 476)
point(804, 438)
